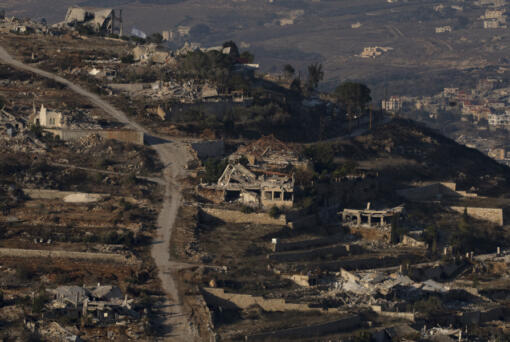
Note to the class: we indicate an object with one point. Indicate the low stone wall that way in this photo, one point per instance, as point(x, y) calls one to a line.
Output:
point(201, 317)
point(347, 323)
point(335, 251)
point(494, 215)
point(288, 246)
point(56, 194)
point(303, 222)
point(479, 317)
point(209, 148)
point(399, 315)
point(234, 216)
point(38, 253)
point(217, 296)
point(123, 135)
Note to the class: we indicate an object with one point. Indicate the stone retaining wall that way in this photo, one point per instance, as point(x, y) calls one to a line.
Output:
point(494, 215)
point(343, 324)
point(237, 300)
point(333, 251)
point(209, 148)
point(288, 246)
point(234, 216)
point(123, 135)
point(38, 253)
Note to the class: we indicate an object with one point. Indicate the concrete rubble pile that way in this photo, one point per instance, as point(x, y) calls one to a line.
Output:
point(14, 135)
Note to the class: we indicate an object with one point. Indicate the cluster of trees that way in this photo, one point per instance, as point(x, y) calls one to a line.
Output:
point(315, 76)
point(354, 97)
point(217, 67)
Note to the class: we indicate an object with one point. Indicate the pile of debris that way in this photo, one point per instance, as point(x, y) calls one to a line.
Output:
point(270, 153)
point(102, 304)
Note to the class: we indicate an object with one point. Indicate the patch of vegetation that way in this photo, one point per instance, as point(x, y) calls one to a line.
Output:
point(214, 167)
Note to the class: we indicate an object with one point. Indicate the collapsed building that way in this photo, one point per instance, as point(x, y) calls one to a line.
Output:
point(266, 190)
point(98, 19)
point(377, 218)
point(261, 174)
point(61, 125)
point(104, 304)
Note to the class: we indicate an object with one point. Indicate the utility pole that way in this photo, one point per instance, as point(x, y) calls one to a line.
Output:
point(370, 109)
point(121, 24)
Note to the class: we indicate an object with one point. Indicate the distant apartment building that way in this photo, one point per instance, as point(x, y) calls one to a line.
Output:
point(488, 84)
point(494, 19)
point(393, 104)
point(450, 92)
point(497, 153)
point(478, 112)
point(374, 51)
point(443, 29)
point(493, 3)
point(499, 120)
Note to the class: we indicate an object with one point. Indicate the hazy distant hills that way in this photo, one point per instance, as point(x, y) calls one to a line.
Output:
point(332, 32)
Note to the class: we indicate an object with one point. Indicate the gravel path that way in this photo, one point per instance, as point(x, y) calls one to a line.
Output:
point(174, 156)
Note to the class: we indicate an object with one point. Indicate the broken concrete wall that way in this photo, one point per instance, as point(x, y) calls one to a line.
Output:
point(37, 253)
point(122, 135)
point(219, 296)
point(336, 251)
point(288, 246)
point(234, 216)
point(494, 215)
point(343, 324)
point(209, 148)
point(57, 194)
point(304, 222)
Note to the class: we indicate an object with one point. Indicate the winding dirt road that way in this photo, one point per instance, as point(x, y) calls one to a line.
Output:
point(174, 156)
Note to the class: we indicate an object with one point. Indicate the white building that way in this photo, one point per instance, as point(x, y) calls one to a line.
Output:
point(393, 104)
point(443, 29)
point(48, 118)
point(499, 120)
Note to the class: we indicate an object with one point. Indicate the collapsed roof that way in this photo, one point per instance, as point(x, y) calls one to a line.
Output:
point(238, 177)
point(269, 152)
point(97, 18)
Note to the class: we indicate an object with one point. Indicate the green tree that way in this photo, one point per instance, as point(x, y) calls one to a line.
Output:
point(128, 59)
point(394, 235)
point(431, 236)
point(354, 96)
point(315, 75)
point(214, 167)
point(288, 70)
point(234, 51)
point(155, 38)
point(296, 86)
point(247, 57)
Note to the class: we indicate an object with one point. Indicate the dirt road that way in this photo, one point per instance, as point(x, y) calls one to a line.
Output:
point(174, 156)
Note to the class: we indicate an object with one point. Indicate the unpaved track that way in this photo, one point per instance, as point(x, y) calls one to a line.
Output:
point(174, 156)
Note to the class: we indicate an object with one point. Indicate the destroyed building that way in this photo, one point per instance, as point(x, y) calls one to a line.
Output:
point(48, 118)
point(102, 304)
point(370, 217)
point(261, 174)
point(98, 19)
point(267, 189)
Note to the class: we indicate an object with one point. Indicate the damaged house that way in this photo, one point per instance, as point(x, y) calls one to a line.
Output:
point(260, 174)
point(267, 189)
point(98, 19)
point(370, 218)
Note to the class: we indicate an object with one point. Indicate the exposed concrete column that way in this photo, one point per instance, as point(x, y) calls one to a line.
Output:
point(382, 220)
point(370, 220)
point(272, 195)
point(358, 217)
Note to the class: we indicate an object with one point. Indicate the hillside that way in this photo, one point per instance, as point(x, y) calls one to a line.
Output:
point(405, 151)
